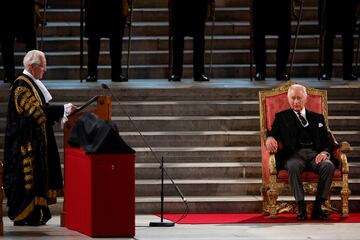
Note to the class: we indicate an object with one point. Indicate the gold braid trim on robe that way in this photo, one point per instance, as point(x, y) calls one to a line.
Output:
point(38, 201)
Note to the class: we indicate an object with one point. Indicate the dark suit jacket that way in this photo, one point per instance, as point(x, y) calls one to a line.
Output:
point(285, 131)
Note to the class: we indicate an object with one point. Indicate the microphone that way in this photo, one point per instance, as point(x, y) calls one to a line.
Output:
point(105, 86)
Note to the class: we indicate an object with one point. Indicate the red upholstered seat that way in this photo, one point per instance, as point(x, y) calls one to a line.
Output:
point(271, 102)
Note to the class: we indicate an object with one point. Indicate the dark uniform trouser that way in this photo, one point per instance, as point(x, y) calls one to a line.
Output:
point(198, 53)
point(7, 51)
point(115, 43)
point(347, 49)
point(304, 159)
point(282, 52)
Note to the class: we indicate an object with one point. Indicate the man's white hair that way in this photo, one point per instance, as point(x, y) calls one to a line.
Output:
point(292, 88)
point(33, 57)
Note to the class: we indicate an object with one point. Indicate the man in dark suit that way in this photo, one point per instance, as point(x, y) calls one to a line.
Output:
point(306, 146)
point(188, 18)
point(22, 29)
point(271, 17)
point(339, 18)
point(105, 20)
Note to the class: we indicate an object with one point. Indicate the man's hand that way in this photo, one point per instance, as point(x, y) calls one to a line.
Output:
point(271, 144)
point(73, 108)
point(321, 157)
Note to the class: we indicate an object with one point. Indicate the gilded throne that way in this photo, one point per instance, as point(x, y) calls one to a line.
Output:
point(275, 180)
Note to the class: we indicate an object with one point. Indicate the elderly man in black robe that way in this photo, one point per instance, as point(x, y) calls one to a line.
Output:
point(32, 172)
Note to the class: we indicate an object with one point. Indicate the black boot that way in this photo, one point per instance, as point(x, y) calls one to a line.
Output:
point(259, 76)
point(301, 211)
point(317, 212)
point(175, 78)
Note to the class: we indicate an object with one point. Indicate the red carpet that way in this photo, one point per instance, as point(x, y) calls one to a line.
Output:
point(225, 218)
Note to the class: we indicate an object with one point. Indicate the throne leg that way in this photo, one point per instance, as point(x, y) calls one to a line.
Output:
point(273, 195)
point(265, 200)
point(345, 202)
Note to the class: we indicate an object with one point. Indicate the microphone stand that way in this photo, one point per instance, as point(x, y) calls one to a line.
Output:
point(163, 171)
point(162, 223)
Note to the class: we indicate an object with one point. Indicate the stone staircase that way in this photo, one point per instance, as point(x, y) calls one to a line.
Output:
point(208, 135)
point(149, 46)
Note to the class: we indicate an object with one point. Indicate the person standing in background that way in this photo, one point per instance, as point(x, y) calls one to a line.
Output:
point(105, 20)
point(271, 17)
point(188, 18)
point(17, 24)
point(338, 17)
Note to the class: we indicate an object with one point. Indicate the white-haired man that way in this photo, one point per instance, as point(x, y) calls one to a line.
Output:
point(32, 171)
point(306, 146)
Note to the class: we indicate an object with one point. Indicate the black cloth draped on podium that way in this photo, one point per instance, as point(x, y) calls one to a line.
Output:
point(96, 136)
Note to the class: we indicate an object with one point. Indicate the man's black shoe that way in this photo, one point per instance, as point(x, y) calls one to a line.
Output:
point(283, 77)
point(259, 77)
point(91, 79)
point(201, 78)
point(174, 78)
point(319, 215)
point(350, 77)
point(121, 78)
point(301, 216)
point(26, 223)
point(325, 76)
point(301, 211)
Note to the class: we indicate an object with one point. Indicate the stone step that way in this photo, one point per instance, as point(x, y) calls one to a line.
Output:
point(214, 187)
point(223, 71)
point(207, 123)
point(160, 90)
point(154, 43)
point(149, 14)
point(204, 154)
point(204, 108)
point(213, 170)
point(158, 28)
point(201, 138)
point(220, 57)
point(163, 4)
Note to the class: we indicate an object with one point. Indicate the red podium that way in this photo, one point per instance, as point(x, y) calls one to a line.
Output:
point(100, 193)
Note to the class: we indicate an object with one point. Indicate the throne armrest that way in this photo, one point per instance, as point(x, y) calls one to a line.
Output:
point(344, 148)
point(340, 150)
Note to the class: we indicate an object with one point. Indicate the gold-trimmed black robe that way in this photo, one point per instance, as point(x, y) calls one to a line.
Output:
point(32, 171)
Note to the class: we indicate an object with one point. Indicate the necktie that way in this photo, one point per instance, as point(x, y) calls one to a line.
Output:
point(303, 121)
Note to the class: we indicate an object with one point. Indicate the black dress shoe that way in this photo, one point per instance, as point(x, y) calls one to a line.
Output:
point(91, 79)
point(350, 77)
point(26, 223)
point(174, 78)
point(325, 76)
point(319, 215)
point(283, 77)
point(201, 78)
point(259, 77)
point(301, 216)
point(121, 78)
point(301, 211)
